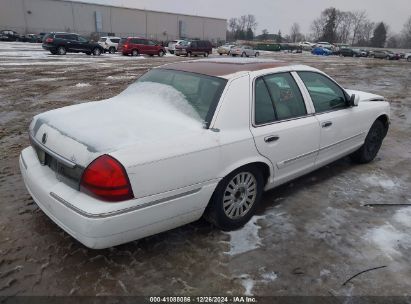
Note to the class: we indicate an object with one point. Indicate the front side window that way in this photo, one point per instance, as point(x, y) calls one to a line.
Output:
point(82, 39)
point(325, 94)
point(202, 92)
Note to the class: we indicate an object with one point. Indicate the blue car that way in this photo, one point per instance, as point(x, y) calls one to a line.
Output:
point(321, 51)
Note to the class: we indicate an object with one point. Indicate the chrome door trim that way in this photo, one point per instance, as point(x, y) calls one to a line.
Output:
point(290, 161)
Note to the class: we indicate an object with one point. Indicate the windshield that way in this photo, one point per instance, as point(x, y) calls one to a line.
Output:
point(202, 92)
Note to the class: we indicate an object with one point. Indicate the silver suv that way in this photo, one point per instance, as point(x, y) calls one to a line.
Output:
point(109, 44)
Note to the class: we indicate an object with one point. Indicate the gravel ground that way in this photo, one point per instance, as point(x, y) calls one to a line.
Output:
point(308, 237)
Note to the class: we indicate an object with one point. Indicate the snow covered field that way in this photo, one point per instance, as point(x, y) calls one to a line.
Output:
point(308, 238)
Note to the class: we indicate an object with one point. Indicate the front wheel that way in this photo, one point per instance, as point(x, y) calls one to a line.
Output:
point(236, 198)
point(206, 54)
point(257, 54)
point(243, 55)
point(372, 144)
point(96, 52)
point(134, 53)
point(161, 53)
point(112, 50)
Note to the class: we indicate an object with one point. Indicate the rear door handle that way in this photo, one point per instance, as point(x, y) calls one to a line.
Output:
point(271, 139)
point(327, 124)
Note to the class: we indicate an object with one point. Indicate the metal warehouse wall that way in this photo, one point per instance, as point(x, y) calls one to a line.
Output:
point(35, 16)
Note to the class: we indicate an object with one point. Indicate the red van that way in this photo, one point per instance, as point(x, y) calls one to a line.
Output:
point(135, 46)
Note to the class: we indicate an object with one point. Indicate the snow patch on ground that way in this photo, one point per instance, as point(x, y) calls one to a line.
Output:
point(246, 238)
point(403, 216)
point(248, 284)
point(389, 240)
point(269, 276)
point(82, 85)
point(122, 77)
point(379, 181)
point(325, 273)
point(49, 79)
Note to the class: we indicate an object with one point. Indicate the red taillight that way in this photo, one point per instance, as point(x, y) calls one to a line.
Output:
point(125, 46)
point(106, 179)
point(49, 40)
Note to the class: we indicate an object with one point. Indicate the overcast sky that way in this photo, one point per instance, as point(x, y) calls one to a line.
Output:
point(275, 15)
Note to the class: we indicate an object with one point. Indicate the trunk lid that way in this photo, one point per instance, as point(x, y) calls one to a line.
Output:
point(144, 114)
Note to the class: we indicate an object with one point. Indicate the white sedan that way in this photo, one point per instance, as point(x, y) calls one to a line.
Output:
point(194, 138)
point(244, 51)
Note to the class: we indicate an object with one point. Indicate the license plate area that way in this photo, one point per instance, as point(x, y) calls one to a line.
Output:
point(69, 176)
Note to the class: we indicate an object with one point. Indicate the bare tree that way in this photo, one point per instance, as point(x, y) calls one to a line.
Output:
point(317, 27)
point(295, 32)
point(251, 22)
point(345, 26)
point(232, 24)
point(359, 17)
point(406, 34)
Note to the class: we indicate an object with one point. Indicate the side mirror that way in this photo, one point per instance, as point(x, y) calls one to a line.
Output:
point(354, 100)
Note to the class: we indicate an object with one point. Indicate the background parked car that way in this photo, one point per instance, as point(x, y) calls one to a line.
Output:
point(109, 44)
point(225, 49)
point(62, 43)
point(194, 48)
point(32, 38)
point(244, 51)
point(9, 35)
point(172, 45)
point(325, 45)
point(40, 37)
point(306, 46)
point(383, 54)
point(407, 57)
point(135, 46)
point(349, 52)
point(321, 51)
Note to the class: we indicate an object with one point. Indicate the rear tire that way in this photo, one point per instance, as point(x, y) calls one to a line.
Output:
point(236, 198)
point(161, 53)
point(372, 144)
point(206, 54)
point(135, 53)
point(189, 54)
point(257, 54)
point(61, 50)
point(243, 55)
point(112, 50)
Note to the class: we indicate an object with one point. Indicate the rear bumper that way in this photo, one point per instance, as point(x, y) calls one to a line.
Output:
point(99, 224)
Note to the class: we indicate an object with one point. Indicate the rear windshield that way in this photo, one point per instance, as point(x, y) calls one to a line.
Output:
point(202, 92)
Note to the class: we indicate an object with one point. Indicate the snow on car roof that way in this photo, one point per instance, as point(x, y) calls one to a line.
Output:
point(225, 66)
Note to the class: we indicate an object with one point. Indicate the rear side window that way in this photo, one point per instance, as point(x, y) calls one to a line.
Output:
point(286, 96)
point(325, 94)
point(263, 106)
point(277, 97)
point(123, 40)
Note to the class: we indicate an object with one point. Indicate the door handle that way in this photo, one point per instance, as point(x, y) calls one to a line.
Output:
point(271, 139)
point(327, 124)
